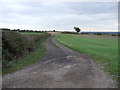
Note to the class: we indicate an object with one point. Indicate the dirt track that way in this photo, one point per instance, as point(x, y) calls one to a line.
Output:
point(60, 68)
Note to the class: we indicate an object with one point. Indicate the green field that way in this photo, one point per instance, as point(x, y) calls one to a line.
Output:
point(103, 49)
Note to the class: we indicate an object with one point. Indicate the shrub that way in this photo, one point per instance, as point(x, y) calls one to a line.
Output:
point(98, 33)
point(84, 33)
point(16, 45)
point(115, 34)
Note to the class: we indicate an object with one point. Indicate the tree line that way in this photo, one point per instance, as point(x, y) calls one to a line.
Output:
point(19, 30)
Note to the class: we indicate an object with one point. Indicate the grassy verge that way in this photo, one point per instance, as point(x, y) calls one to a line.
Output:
point(54, 44)
point(19, 50)
point(29, 59)
point(103, 49)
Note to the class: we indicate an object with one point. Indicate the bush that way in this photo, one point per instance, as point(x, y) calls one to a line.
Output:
point(16, 45)
point(115, 34)
point(98, 33)
point(84, 33)
point(13, 45)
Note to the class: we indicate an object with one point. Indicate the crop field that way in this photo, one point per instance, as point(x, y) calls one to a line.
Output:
point(103, 49)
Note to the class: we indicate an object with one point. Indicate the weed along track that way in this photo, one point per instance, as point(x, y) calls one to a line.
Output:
point(60, 68)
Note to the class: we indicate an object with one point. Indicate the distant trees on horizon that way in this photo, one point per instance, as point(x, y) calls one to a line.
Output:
point(18, 30)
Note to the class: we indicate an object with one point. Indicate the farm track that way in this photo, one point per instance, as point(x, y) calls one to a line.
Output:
point(60, 68)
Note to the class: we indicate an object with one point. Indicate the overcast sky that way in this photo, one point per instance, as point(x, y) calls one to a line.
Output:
point(89, 16)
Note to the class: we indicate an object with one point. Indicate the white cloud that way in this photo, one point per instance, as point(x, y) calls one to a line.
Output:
point(59, 15)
